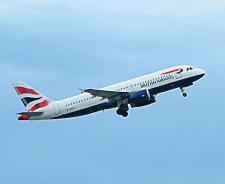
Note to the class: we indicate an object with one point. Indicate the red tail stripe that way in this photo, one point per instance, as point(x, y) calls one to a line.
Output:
point(22, 90)
point(39, 105)
point(172, 71)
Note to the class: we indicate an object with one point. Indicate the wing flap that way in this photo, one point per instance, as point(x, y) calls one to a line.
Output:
point(106, 94)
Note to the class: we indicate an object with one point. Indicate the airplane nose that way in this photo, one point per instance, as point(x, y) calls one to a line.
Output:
point(201, 72)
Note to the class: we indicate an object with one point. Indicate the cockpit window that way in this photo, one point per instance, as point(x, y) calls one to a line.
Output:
point(190, 68)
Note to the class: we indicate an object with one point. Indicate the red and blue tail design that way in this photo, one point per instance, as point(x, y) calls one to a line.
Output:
point(31, 98)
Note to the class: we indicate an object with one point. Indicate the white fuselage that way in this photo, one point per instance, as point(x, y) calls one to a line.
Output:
point(180, 76)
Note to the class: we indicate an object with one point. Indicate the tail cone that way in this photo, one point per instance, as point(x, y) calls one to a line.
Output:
point(23, 117)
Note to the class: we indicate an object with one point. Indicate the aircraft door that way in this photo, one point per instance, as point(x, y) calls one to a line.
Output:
point(56, 108)
point(178, 75)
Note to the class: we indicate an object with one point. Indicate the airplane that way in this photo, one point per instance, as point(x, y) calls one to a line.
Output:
point(133, 93)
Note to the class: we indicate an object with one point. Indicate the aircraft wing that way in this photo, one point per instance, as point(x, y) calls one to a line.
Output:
point(107, 94)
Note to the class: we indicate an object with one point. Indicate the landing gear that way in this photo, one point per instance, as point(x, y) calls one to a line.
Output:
point(183, 92)
point(122, 108)
point(119, 112)
point(125, 114)
point(122, 112)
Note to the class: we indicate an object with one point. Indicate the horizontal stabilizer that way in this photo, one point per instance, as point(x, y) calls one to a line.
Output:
point(30, 114)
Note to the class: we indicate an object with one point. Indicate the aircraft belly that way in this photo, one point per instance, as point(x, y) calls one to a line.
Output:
point(173, 85)
point(86, 111)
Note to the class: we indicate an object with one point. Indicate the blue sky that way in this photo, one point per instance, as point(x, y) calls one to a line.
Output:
point(60, 46)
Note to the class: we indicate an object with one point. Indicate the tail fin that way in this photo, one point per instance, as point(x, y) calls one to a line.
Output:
point(31, 98)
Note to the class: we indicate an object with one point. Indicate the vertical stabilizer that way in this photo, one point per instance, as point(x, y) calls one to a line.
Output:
point(31, 98)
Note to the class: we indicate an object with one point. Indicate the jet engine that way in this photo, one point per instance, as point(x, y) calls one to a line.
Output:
point(141, 98)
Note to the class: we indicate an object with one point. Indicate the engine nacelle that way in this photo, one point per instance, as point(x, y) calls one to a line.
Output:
point(142, 103)
point(140, 98)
